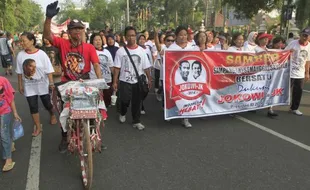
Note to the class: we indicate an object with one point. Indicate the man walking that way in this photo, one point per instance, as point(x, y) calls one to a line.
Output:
point(129, 91)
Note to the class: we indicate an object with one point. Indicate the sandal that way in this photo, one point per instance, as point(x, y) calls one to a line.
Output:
point(8, 167)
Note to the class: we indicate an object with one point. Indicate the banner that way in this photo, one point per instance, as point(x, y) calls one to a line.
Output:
point(58, 28)
point(199, 84)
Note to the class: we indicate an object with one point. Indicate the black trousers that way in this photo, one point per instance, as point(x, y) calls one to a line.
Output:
point(297, 87)
point(157, 75)
point(129, 93)
point(34, 106)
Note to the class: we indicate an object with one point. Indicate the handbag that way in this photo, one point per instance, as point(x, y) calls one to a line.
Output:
point(18, 130)
point(142, 82)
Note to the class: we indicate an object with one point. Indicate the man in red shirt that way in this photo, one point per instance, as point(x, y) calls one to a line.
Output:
point(76, 56)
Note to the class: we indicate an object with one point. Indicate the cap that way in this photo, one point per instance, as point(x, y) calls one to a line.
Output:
point(190, 31)
point(75, 24)
point(306, 31)
point(264, 35)
point(1, 32)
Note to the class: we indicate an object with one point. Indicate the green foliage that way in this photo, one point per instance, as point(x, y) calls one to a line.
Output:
point(248, 8)
point(20, 15)
point(303, 13)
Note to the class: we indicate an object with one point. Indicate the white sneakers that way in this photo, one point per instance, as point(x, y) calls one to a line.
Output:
point(186, 123)
point(297, 112)
point(143, 112)
point(122, 118)
point(139, 126)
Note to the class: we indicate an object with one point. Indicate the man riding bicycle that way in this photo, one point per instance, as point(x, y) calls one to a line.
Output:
point(76, 56)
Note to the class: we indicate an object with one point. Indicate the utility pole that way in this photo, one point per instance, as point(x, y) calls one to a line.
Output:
point(127, 12)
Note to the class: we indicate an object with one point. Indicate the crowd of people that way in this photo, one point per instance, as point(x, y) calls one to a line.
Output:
point(47, 60)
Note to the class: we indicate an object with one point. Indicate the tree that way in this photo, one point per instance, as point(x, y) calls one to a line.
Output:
point(19, 15)
point(302, 13)
point(248, 9)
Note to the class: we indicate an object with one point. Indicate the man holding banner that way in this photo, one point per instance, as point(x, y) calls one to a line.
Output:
point(299, 67)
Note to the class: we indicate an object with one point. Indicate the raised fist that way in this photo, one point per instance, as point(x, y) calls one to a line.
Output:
point(52, 10)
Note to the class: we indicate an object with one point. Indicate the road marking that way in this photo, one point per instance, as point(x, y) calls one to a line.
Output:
point(283, 137)
point(33, 176)
point(306, 91)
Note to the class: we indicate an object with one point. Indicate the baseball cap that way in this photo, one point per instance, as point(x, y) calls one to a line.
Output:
point(306, 31)
point(75, 24)
point(1, 32)
point(264, 35)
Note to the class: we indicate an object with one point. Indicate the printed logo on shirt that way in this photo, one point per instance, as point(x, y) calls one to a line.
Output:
point(104, 64)
point(130, 73)
point(74, 65)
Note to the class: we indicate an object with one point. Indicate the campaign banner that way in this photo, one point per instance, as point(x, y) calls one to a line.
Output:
point(58, 28)
point(199, 84)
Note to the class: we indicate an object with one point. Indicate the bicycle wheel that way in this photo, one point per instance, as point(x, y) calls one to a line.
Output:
point(86, 156)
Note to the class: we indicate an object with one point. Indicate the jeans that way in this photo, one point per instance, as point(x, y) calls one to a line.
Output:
point(5, 132)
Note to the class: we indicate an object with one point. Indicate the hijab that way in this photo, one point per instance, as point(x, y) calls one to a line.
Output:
point(112, 49)
point(251, 41)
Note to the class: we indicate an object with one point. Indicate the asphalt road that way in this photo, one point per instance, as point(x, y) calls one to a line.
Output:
point(218, 153)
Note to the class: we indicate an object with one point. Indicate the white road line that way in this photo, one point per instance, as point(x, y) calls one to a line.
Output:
point(306, 91)
point(279, 135)
point(33, 176)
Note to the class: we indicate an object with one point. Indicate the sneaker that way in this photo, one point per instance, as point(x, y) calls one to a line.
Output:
point(156, 90)
point(143, 112)
point(139, 126)
point(186, 123)
point(158, 97)
point(122, 118)
point(63, 146)
point(297, 112)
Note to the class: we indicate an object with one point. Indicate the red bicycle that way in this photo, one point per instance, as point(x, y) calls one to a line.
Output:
point(81, 113)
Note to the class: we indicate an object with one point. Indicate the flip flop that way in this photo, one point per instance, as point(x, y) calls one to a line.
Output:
point(8, 167)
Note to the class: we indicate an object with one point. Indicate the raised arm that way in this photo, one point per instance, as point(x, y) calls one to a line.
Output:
point(51, 11)
point(156, 38)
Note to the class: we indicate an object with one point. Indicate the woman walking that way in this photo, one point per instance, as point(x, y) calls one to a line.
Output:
point(35, 78)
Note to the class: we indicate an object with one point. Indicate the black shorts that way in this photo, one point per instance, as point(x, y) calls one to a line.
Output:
point(6, 60)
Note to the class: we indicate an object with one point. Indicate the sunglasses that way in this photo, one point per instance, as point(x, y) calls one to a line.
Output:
point(305, 35)
point(169, 40)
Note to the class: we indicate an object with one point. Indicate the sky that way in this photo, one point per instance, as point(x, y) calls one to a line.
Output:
point(44, 3)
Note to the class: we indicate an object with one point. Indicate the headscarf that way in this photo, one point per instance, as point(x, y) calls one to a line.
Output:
point(250, 38)
point(112, 49)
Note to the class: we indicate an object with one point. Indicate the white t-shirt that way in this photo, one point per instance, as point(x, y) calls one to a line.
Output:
point(300, 56)
point(157, 63)
point(234, 48)
point(249, 47)
point(258, 49)
point(149, 54)
point(122, 61)
point(174, 46)
point(105, 62)
point(161, 75)
point(37, 83)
